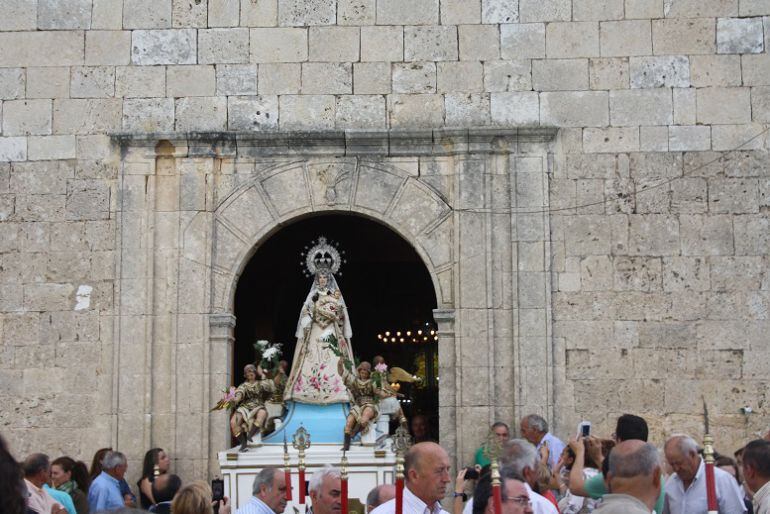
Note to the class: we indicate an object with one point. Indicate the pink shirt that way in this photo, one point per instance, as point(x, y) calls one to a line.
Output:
point(39, 500)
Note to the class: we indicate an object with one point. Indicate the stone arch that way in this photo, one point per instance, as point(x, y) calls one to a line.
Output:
point(386, 194)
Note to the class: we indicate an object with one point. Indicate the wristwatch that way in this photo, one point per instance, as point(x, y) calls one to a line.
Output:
point(461, 495)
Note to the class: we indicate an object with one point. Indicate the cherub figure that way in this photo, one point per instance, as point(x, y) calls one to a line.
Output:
point(365, 394)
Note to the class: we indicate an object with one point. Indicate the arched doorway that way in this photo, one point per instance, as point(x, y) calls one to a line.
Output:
point(386, 286)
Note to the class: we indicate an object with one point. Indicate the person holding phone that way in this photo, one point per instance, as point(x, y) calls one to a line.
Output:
point(534, 429)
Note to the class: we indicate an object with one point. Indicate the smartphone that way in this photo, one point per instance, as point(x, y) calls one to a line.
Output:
point(471, 473)
point(584, 429)
point(217, 489)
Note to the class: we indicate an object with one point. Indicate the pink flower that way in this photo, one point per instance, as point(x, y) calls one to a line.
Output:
point(381, 367)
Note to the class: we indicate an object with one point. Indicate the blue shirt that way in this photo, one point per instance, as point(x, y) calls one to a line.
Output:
point(104, 494)
point(255, 506)
point(555, 447)
point(60, 496)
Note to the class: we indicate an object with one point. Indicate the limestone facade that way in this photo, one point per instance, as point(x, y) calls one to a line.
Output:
point(586, 181)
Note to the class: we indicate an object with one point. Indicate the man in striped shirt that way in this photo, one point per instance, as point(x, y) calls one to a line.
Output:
point(269, 493)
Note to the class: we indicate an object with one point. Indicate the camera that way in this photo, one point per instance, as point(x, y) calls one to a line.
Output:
point(471, 473)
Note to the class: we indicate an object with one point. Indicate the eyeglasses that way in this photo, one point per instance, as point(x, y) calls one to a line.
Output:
point(524, 501)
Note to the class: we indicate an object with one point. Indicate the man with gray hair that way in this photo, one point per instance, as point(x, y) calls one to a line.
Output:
point(325, 491)
point(686, 488)
point(268, 493)
point(534, 429)
point(634, 477)
point(104, 493)
point(380, 495)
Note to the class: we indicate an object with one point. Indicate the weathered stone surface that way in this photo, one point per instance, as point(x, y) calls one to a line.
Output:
point(307, 111)
point(625, 38)
point(382, 43)
point(327, 78)
point(479, 42)
point(190, 81)
point(278, 45)
point(720, 105)
point(419, 111)
point(356, 12)
point(148, 114)
point(499, 11)
point(252, 113)
point(408, 12)
point(430, 43)
point(547, 10)
point(608, 73)
point(574, 109)
point(414, 78)
point(560, 74)
point(715, 70)
point(522, 40)
point(641, 107)
point(43, 148)
point(239, 79)
point(507, 76)
point(63, 14)
point(146, 14)
point(280, 78)
point(220, 13)
point(263, 13)
point(12, 83)
point(572, 39)
point(92, 82)
point(615, 139)
point(19, 15)
point(302, 13)
point(13, 149)
point(333, 44)
point(467, 109)
point(643, 9)
point(683, 36)
point(666, 71)
point(689, 138)
point(25, 117)
point(360, 112)
point(371, 78)
point(163, 47)
point(41, 48)
point(223, 46)
point(200, 113)
point(459, 77)
point(515, 108)
point(684, 106)
point(109, 47)
point(139, 81)
point(740, 36)
point(588, 10)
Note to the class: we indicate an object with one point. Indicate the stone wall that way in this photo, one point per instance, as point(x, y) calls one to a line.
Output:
point(658, 236)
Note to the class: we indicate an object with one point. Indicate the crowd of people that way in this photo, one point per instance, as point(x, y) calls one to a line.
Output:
point(621, 474)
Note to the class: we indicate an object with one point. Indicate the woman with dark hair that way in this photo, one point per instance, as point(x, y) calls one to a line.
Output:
point(71, 477)
point(11, 485)
point(156, 462)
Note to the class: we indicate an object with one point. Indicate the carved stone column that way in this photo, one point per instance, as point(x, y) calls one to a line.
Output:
point(221, 339)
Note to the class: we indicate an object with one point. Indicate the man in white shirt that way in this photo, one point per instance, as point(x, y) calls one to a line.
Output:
point(269, 493)
point(534, 429)
point(686, 488)
point(426, 468)
point(756, 472)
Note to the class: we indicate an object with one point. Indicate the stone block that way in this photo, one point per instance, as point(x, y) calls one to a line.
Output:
point(560, 74)
point(356, 12)
point(460, 12)
point(733, 195)
point(479, 42)
point(199, 80)
point(252, 113)
point(334, 44)
point(304, 13)
point(164, 46)
point(521, 41)
point(574, 109)
point(201, 113)
point(683, 36)
point(278, 45)
point(361, 112)
point(12, 83)
point(415, 111)
point(544, 10)
point(512, 75)
point(48, 82)
point(702, 8)
point(263, 13)
point(467, 109)
point(13, 149)
point(92, 82)
point(653, 235)
point(744, 136)
point(148, 115)
point(414, 78)
point(371, 78)
point(278, 78)
point(572, 39)
point(430, 43)
point(64, 48)
point(760, 104)
point(754, 7)
point(140, 81)
point(19, 15)
point(643, 9)
point(382, 44)
point(625, 38)
point(715, 70)
point(307, 111)
point(736, 273)
point(499, 11)
point(723, 105)
point(223, 13)
point(147, 14)
point(692, 138)
point(408, 12)
point(660, 71)
point(756, 70)
point(592, 10)
point(327, 78)
point(107, 15)
point(608, 73)
point(653, 139)
point(688, 195)
point(223, 46)
point(684, 106)
point(459, 77)
point(707, 235)
point(25, 117)
point(685, 273)
point(515, 108)
point(611, 140)
point(752, 235)
point(641, 107)
point(238, 79)
point(108, 47)
point(44, 148)
point(63, 14)
point(740, 36)
point(87, 200)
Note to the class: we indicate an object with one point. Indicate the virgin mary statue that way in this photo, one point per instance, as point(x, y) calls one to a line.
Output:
point(314, 378)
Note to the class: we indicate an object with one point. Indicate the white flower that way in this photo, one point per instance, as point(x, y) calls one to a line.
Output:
point(262, 343)
point(270, 353)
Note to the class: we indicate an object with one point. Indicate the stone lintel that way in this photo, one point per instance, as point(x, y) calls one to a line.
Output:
point(386, 143)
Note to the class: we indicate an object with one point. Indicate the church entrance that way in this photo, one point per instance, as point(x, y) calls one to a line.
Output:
point(388, 291)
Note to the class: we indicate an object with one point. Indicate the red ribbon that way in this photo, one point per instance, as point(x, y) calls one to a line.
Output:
point(301, 486)
point(711, 490)
point(497, 495)
point(344, 492)
point(399, 496)
point(287, 476)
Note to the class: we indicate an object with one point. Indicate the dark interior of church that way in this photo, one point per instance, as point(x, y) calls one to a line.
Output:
point(384, 282)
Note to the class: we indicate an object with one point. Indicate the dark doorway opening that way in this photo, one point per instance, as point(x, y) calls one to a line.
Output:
point(386, 288)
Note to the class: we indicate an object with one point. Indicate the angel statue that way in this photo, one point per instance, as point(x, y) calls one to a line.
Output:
point(366, 394)
point(249, 400)
point(313, 378)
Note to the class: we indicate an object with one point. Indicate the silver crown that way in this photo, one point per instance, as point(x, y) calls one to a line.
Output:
point(323, 255)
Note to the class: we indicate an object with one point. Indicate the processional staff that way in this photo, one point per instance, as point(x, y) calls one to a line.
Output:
point(286, 468)
point(401, 443)
point(301, 442)
point(708, 457)
point(492, 452)
point(344, 483)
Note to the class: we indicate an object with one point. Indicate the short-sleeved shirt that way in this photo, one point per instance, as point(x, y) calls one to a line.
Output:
point(693, 499)
point(104, 493)
point(595, 488)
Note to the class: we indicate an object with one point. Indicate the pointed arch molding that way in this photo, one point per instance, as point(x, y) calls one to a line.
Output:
point(193, 208)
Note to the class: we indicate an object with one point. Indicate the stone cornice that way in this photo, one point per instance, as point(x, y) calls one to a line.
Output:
point(386, 143)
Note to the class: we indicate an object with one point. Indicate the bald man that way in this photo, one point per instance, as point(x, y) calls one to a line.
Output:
point(379, 495)
point(634, 478)
point(426, 468)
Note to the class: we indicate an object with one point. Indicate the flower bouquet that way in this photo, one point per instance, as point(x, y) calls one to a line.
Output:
point(268, 355)
point(380, 374)
point(227, 401)
point(333, 344)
